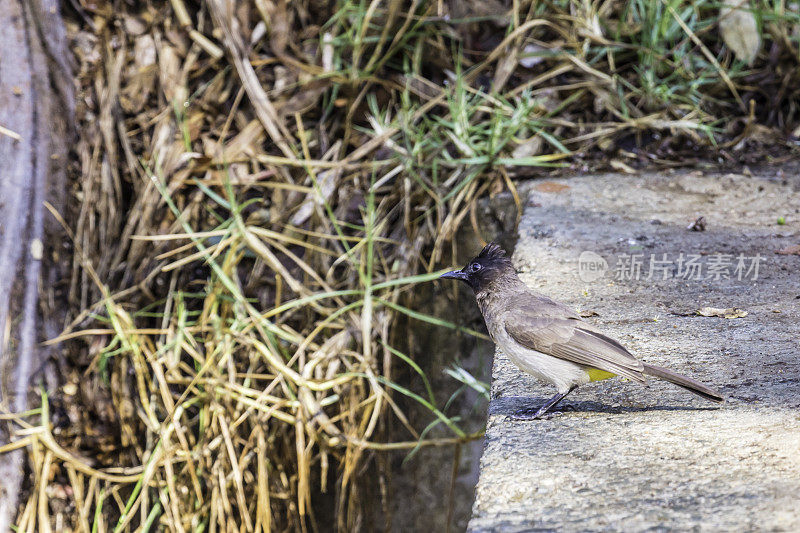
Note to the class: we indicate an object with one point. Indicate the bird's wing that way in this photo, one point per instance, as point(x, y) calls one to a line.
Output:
point(572, 340)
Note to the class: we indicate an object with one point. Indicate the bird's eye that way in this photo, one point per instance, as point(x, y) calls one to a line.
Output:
point(474, 267)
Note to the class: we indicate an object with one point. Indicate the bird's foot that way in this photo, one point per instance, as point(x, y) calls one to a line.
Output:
point(533, 414)
point(530, 414)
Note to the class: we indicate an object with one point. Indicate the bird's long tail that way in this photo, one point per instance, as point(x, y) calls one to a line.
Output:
point(682, 381)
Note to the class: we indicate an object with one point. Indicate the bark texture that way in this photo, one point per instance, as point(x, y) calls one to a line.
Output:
point(36, 108)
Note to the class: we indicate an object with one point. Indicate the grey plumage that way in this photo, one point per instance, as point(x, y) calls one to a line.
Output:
point(548, 339)
point(682, 381)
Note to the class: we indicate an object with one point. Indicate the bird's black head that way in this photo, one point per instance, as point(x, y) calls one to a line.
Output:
point(483, 269)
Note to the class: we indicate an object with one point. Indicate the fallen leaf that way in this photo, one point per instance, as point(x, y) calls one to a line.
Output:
point(532, 55)
point(528, 148)
point(551, 186)
point(327, 180)
point(730, 312)
point(790, 250)
point(739, 30)
point(504, 69)
point(605, 144)
point(697, 225)
point(616, 164)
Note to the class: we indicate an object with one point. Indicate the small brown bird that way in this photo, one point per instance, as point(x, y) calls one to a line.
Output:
point(549, 340)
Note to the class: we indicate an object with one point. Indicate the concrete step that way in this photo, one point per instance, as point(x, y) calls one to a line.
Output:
point(629, 457)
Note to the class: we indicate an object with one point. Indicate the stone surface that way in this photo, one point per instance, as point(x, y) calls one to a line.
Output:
point(629, 457)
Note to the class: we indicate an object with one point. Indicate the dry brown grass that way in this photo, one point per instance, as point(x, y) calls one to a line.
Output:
point(257, 188)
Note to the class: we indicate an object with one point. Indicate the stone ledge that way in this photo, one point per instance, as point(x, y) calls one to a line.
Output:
point(632, 457)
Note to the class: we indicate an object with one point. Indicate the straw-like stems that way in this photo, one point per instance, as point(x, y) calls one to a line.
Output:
point(262, 191)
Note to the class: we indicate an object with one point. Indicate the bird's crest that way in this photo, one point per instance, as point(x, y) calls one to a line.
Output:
point(492, 251)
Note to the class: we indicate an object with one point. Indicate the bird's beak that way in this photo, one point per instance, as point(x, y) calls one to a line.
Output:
point(455, 274)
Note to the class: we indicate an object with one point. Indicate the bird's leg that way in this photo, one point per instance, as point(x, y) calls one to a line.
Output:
point(552, 402)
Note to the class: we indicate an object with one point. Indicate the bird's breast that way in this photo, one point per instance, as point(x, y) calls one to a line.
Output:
point(561, 373)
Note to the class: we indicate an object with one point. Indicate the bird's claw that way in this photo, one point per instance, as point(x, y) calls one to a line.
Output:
point(541, 413)
point(527, 415)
